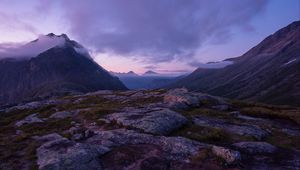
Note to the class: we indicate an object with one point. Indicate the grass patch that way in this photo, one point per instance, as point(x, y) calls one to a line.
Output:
point(281, 139)
point(47, 127)
point(292, 115)
point(203, 134)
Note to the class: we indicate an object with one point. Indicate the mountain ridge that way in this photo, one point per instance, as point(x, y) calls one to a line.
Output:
point(56, 71)
point(258, 75)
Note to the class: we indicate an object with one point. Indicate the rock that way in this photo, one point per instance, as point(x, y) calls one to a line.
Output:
point(61, 153)
point(158, 121)
point(233, 128)
point(47, 138)
point(181, 99)
point(291, 132)
point(19, 132)
point(63, 114)
point(228, 155)
point(255, 147)
point(174, 148)
point(77, 136)
point(100, 92)
point(34, 105)
point(88, 133)
point(28, 120)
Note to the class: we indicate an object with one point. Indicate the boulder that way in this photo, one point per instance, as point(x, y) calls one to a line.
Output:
point(158, 121)
point(174, 148)
point(233, 128)
point(255, 147)
point(61, 153)
point(181, 99)
point(228, 155)
point(28, 120)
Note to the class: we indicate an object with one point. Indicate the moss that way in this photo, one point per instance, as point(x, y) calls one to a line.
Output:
point(19, 152)
point(16, 115)
point(203, 134)
point(292, 115)
point(50, 126)
point(281, 139)
point(210, 113)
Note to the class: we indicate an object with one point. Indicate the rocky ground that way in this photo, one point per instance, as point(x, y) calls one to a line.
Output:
point(149, 129)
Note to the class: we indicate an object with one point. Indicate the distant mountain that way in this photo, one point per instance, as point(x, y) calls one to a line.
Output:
point(150, 73)
point(269, 72)
point(128, 74)
point(61, 66)
point(148, 80)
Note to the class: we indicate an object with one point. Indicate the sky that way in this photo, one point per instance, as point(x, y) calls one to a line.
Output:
point(161, 35)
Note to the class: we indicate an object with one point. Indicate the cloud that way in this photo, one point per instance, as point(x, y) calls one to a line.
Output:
point(15, 22)
point(157, 30)
point(211, 65)
point(32, 49)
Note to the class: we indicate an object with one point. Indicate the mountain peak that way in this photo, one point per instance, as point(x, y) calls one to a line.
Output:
point(150, 72)
point(65, 36)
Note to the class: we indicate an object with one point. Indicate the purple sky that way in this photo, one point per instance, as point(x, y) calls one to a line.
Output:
point(161, 35)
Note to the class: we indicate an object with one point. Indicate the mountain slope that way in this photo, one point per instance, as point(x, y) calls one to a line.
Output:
point(269, 72)
point(58, 70)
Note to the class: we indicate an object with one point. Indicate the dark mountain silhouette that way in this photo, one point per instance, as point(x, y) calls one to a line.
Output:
point(269, 72)
point(149, 72)
point(62, 69)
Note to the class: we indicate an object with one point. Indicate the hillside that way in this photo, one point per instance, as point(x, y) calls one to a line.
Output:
point(62, 69)
point(269, 72)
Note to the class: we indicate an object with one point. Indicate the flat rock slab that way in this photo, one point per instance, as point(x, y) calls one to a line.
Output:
point(175, 148)
point(63, 114)
point(239, 129)
point(255, 147)
point(160, 121)
point(60, 153)
point(183, 99)
point(28, 120)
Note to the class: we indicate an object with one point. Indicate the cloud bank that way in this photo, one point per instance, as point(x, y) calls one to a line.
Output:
point(158, 30)
point(32, 49)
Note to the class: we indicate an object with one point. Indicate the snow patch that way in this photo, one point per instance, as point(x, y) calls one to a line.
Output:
point(289, 62)
point(32, 49)
point(215, 65)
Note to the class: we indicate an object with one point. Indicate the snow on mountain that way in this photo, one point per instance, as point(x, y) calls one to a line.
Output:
point(289, 62)
point(41, 44)
point(32, 49)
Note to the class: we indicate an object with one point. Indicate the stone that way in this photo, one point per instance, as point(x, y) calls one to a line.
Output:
point(175, 148)
point(255, 147)
point(228, 155)
point(158, 121)
point(233, 128)
point(34, 105)
point(181, 99)
point(62, 114)
point(28, 120)
point(61, 153)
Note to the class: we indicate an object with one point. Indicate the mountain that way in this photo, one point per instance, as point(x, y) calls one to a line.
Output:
point(269, 72)
point(148, 80)
point(150, 73)
point(128, 74)
point(65, 67)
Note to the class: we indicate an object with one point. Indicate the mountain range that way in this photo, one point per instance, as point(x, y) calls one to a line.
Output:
point(269, 72)
point(64, 68)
